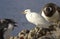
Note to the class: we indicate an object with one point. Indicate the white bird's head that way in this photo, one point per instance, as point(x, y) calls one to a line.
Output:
point(26, 11)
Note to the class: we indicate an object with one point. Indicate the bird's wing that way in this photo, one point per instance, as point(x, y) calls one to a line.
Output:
point(38, 17)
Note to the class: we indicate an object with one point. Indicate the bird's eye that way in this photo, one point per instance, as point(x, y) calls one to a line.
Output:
point(25, 11)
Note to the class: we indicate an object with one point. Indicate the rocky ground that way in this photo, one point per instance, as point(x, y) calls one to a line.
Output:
point(52, 32)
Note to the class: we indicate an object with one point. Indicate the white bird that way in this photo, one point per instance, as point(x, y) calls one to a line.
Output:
point(51, 12)
point(35, 18)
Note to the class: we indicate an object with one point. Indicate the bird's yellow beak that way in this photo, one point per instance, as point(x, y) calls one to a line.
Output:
point(23, 12)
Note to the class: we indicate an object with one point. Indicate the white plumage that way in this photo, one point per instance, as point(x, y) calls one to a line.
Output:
point(34, 17)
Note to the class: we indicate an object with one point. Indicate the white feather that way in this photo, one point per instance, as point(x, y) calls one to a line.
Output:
point(35, 18)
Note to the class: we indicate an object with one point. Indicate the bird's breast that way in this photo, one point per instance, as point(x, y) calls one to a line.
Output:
point(30, 18)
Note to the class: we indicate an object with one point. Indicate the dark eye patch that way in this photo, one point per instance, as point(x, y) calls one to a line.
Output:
point(49, 9)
